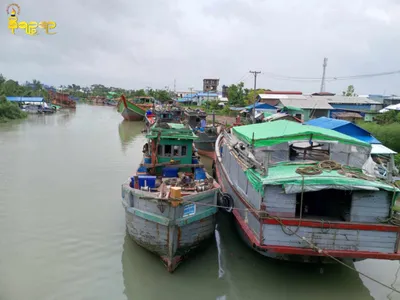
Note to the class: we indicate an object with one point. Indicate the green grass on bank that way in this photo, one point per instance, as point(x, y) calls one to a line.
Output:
point(10, 111)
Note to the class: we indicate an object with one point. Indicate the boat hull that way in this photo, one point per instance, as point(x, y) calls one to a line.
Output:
point(130, 115)
point(205, 144)
point(267, 237)
point(130, 111)
point(163, 229)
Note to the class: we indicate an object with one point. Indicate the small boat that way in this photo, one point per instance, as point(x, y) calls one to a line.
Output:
point(300, 192)
point(111, 102)
point(207, 134)
point(170, 203)
point(164, 114)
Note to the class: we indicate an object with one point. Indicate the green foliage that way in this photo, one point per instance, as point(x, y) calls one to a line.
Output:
point(350, 91)
point(236, 94)
point(391, 116)
point(251, 96)
point(388, 134)
point(397, 160)
point(10, 111)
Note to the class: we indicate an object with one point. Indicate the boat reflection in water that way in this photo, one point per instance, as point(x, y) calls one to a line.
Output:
point(229, 269)
point(128, 131)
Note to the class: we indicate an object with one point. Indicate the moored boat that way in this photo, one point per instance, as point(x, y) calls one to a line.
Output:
point(170, 203)
point(207, 134)
point(164, 114)
point(298, 192)
point(130, 111)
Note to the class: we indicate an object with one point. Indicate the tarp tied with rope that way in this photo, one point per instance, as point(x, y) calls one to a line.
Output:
point(286, 175)
point(272, 133)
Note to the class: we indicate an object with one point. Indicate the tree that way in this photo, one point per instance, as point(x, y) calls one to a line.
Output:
point(249, 98)
point(236, 94)
point(350, 91)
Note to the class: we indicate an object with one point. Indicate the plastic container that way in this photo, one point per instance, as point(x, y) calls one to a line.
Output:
point(170, 172)
point(147, 160)
point(199, 174)
point(195, 161)
point(141, 171)
point(147, 180)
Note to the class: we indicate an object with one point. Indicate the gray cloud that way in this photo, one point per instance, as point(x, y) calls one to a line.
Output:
point(133, 44)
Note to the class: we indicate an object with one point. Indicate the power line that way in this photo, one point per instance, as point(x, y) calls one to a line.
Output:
point(360, 76)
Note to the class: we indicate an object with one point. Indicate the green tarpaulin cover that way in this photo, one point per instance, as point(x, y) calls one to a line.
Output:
point(272, 133)
point(286, 174)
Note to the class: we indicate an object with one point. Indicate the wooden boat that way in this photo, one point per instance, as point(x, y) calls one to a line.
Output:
point(164, 114)
point(111, 102)
point(170, 203)
point(130, 111)
point(295, 197)
point(207, 135)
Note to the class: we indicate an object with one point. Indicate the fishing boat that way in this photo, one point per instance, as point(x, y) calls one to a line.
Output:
point(130, 111)
point(299, 192)
point(207, 135)
point(111, 102)
point(170, 203)
point(135, 110)
point(164, 114)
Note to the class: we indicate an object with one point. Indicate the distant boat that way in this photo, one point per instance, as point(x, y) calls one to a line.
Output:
point(207, 135)
point(112, 102)
point(170, 203)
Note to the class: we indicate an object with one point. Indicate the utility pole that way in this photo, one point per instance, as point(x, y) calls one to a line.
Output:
point(255, 86)
point(174, 86)
point(323, 75)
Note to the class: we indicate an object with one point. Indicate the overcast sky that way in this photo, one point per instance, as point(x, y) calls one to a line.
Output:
point(134, 44)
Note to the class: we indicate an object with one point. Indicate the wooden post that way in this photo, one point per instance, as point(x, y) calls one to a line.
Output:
point(390, 168)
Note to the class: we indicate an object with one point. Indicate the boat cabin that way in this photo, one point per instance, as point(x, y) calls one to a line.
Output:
point(144, 100)
point(193, 117)
point(301, 170)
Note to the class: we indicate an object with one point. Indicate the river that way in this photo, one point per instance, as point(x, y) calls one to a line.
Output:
point(62, 229)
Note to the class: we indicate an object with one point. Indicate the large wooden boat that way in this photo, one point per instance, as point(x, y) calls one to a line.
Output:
point(207, 134)
point(170, 203)
point(135, 110)
point(130, 111)
point(61, 99)
point(298, 193)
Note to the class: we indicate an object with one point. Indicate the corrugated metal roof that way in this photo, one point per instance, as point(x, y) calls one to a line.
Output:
point(25, 99)
point(280, 96)
point(343, 99)
point(306, 103)
point(261, 106)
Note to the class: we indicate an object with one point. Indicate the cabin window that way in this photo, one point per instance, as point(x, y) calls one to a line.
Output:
point(167, 150)
point(329, 205)
point(176, 151)
point(172, 150)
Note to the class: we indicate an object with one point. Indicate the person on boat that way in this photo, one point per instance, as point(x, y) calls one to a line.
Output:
point(203, 123)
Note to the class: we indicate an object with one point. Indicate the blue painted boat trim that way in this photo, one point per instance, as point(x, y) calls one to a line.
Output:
point(197, 217)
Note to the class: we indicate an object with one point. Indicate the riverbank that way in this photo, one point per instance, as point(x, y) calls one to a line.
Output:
point(10, 111)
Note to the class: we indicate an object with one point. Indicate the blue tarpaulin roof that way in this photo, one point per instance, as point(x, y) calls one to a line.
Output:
point(25, 99)
point(344, 127)
point(260, 106)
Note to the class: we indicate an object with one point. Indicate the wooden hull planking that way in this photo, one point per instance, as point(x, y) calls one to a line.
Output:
point(265, 236)
point(163, 230)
